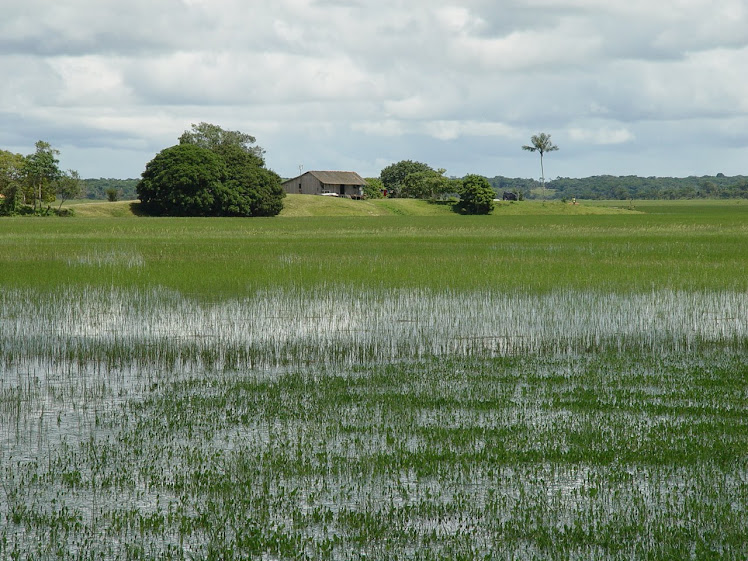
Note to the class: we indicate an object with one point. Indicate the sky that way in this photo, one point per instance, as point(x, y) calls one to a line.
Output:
point(624, 87)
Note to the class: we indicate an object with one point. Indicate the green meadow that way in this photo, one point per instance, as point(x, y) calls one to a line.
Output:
point(376, 380)
point(537, 248)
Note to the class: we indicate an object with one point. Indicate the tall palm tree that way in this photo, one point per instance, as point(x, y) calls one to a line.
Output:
point(541, 143)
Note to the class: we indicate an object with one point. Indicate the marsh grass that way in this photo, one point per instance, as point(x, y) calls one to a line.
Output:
point(357, 425)
point(339, 326)
point(443, 387)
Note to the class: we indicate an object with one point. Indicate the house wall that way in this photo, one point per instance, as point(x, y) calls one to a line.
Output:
point(355, 190)
point(307, 184)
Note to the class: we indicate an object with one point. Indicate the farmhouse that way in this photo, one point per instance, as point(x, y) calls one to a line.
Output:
point(341, 183)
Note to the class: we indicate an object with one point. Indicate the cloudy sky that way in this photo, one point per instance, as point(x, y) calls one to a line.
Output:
point(637, 87)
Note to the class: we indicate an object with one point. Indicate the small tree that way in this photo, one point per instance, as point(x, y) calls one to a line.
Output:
point(42, 172)
point(69, 186)
point(112, 195)
point(541, 143)
point(476, 195)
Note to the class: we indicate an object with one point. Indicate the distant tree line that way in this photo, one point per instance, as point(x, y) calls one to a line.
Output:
point(630, 187)
point(110, 189)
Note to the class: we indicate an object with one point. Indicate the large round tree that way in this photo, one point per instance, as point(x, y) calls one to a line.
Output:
point(250, 189)
point(223, 177)
point(184, 180)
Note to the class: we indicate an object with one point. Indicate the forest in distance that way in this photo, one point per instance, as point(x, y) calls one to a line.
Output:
point(596, 187)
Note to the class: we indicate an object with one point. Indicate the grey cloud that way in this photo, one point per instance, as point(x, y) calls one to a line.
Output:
point(458, 85)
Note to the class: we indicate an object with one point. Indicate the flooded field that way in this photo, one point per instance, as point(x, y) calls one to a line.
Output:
point(398, 424)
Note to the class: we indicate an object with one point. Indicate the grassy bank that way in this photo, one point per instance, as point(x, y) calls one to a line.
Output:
point(310, 205)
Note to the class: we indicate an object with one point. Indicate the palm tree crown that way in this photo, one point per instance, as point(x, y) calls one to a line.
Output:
point(541, 143)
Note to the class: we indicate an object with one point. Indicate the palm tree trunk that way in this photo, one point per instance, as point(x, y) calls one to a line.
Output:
point(542, 176)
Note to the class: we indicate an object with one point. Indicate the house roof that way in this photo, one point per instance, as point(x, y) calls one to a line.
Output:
point(336, 177)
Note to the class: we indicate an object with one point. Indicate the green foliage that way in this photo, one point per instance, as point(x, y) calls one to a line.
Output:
point(217, 175)
point(69, 186)
point(393, 176)
point(249, 189)
point(374, 188)
point(214, 137)
point(430, 184)
point(11, 181)
point(42, 172)
point(476, 195)
point(112, 195)
point(182, 181)
point(540, 143)
point(27, 183)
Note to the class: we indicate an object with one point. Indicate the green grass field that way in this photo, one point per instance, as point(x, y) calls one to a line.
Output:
point(676, 246)
point(376, 380)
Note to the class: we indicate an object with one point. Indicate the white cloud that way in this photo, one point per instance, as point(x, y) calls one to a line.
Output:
point(451, 130)
point(355, 81)
point(601, 135)
point(387, 127)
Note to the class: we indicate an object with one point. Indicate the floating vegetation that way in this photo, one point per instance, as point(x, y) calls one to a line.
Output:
point(340, 424)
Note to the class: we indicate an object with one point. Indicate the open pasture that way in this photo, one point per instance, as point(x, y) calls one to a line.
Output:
point(443, 387)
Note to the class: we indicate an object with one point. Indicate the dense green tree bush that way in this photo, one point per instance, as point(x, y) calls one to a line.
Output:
point(182, 180)
point(393, 176)
point(249, 189)
point(476, 195)
point(225, 176)
point(427, 185)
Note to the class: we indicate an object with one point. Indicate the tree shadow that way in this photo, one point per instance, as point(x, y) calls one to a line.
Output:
point(139, 209)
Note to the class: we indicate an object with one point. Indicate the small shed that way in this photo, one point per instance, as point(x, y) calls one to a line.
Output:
point(341, 183)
